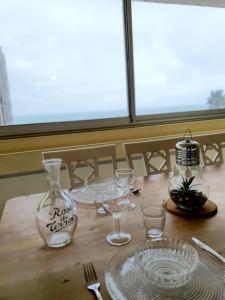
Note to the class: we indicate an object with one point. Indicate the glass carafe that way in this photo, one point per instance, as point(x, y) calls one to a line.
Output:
point(56, 213)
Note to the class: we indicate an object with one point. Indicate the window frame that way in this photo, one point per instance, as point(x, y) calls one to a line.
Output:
point(132, 120)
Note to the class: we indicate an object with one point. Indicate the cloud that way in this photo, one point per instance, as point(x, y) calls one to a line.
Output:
point(71, 43)
point(182, 45)
point(69, 55)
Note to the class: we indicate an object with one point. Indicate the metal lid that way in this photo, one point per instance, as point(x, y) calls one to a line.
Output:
point(188, 151)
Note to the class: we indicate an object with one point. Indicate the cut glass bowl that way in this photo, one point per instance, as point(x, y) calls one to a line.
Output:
point(167, 263)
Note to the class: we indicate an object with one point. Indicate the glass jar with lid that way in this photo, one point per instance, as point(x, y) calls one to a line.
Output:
point(188, 188)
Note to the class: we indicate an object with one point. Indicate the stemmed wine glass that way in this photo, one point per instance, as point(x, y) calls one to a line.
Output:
point(114, 203)
point(98, 186)
point(125, 178)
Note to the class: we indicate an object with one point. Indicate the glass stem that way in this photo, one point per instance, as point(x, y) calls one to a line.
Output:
point(117, 225)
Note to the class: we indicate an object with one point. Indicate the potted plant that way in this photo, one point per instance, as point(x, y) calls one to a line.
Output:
point(188, 195)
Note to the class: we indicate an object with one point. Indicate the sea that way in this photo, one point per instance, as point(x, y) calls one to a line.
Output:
point(78, 116)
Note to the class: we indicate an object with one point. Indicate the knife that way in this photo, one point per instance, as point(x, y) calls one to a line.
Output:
point(208, 249)
point(135, 190)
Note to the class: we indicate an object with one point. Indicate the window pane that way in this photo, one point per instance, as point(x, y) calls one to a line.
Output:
point(64, 61)
point(179, 57)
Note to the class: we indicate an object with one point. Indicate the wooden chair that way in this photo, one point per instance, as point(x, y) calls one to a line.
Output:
point(152, 150)
point(210, 148)
point(88, 157)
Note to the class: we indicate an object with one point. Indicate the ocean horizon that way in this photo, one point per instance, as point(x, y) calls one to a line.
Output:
point(79, 116)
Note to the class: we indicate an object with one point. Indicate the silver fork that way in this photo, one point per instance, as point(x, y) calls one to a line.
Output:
point(92, 279)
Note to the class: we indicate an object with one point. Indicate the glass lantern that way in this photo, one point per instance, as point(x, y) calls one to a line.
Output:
point(187, 187)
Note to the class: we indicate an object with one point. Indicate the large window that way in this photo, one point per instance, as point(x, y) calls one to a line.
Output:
point(65, 60)
point(78, 64)
point(179, 57)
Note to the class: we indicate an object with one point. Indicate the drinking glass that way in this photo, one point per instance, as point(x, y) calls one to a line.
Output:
point(154, 217)
point(114, 203)
point(125, 178)
point(99, 185)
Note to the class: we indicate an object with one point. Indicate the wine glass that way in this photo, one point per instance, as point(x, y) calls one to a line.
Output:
point(114, 203)
point(99, 185)
point(125, 178)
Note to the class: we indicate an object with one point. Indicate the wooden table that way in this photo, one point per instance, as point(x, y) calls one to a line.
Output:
point(30, 270)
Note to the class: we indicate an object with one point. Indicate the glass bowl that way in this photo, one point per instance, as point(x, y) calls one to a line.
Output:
point(167, 263)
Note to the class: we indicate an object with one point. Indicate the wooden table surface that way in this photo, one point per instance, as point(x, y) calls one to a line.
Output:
point(30, 270)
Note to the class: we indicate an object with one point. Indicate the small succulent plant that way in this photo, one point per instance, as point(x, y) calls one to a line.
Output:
point(186, 186)
point(186, 196)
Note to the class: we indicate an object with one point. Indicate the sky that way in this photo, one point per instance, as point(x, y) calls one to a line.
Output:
point(68, 56)
point(63, 52)
point(179, 53)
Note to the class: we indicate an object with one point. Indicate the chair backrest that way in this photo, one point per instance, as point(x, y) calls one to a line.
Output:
point(151, 151)
point(210, 148)
point(83, 157)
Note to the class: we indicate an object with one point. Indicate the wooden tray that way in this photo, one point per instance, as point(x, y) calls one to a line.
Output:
point(209, 209)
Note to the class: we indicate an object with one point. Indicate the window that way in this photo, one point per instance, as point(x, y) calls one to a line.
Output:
point(178, 57)
point(87, 64)
point(65, 61)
